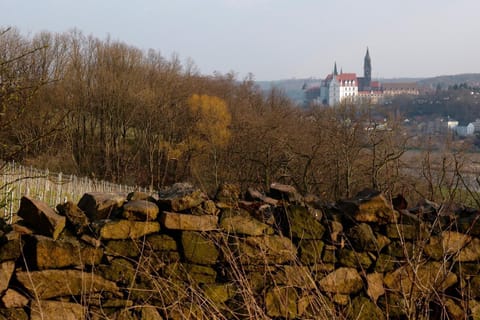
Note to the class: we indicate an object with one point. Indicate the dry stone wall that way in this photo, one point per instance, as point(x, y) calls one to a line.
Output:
point(179, 255)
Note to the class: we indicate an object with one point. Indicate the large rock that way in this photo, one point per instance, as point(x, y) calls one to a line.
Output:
point(342, 281)
point(57, 310)
point(141, 210)
point(284, 192)
point(311, 251)
point(364, 309)
point(180, 196)
point(6, 271)
point(40, 217)
point(363, 238)
point(50, 254)
point(101, 205)
point(126, 229)
point(370, 206)
point(281, 302)
point(188, 222)
point(375, 286)
point(161, 242)
point(301, 224)
point(77, 220)
point(354, 259)
point(228, 194)
point(423, 279)
point(119, 270)
point(199, 249)
point(58, 283)
point(236, 222)
point(13, 299)
point(11, 249)
point(463, 247)
point(264, 250)
point(294, 276)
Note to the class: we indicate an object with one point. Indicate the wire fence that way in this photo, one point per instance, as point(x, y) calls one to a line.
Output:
point(51, 187)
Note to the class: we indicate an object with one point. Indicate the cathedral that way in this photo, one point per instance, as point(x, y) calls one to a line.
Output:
point(347, 87)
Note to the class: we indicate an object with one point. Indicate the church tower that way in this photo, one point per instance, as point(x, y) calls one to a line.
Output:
point(367, 69)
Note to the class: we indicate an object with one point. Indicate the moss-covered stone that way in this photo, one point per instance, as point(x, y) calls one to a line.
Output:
point(125, 229)
point(302, 224)
point(161, 242)
point(385, 263)
point(353, 259)
point(330, 254)
point(199, 249)
point(364, 309)
point(311, 251)
point(264, 250)
point(362, 238)
point(294, 276)
point(141, 210)
point(243, 224)
point(281, 302)
point(342, 281)
point(119, 270)
point(219, 293)
point(122, 248)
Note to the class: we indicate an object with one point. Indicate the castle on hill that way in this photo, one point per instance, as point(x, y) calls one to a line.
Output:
point(343, 87)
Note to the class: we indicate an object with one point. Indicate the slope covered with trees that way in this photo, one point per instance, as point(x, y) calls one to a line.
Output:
point(82, 105)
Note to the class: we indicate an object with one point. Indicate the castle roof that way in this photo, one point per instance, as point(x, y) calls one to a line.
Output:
point(347, 77)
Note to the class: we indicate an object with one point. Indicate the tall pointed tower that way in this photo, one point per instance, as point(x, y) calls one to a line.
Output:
point(367, 69)
point(335, 72)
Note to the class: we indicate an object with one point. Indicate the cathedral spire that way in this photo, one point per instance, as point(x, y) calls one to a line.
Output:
point(367, 68)
point(335, 72)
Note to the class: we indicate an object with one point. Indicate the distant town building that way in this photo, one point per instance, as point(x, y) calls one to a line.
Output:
point(347, 87)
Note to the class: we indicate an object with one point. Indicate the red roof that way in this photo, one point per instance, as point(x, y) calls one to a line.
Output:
point(347, 77)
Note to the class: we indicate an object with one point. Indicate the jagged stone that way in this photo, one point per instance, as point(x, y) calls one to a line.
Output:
point(403, 231)
point(49, 254)
point(311, 251)
point(385, 263)
point(264, 250)
point(342, 281)
point(140, 210)
point(77, 220)
point(123, 248)
point(364, 309)
point(375, 287)
point(150, 313)
point(138, 195)
point(362, 238)
point(454, 311)
point(284, 192)
point(13, 299)
point(58, 283)
point(219, 293)
point(256, 195)
point(294, 276)
point(101, 205)
point(199, 249)
point(297, 222)
point(126, 229)
point(207, 207)
point(56, 310)
point(180, 196)
point(315, 306)
point(228, 193)
point(161, 242)
point(188, 222)
point(14, 313)
point(330, 254)
point(422, 280)
point(40, 217)
point(281, 302)
point(6, 271)
point(119, 270)
point(234, 222)
point(370, 206)
point(191, 273)
point(11, 249)
point(335, 229)
point(353, 259)
point(341, 299)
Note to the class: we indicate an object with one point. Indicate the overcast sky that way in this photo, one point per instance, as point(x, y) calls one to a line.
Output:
point(276, 39)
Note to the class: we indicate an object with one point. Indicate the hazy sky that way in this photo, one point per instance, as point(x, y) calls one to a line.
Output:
point(276, 39)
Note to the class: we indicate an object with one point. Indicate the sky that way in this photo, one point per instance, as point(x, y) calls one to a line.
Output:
point(276, 39)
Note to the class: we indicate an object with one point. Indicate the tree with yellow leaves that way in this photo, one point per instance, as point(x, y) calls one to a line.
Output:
point(211, 126)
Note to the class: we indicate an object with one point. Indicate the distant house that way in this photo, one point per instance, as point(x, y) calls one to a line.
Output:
point(465, 131)
point(398, 88)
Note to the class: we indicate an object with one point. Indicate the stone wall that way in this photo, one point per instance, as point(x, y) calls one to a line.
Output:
point(180, 255)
